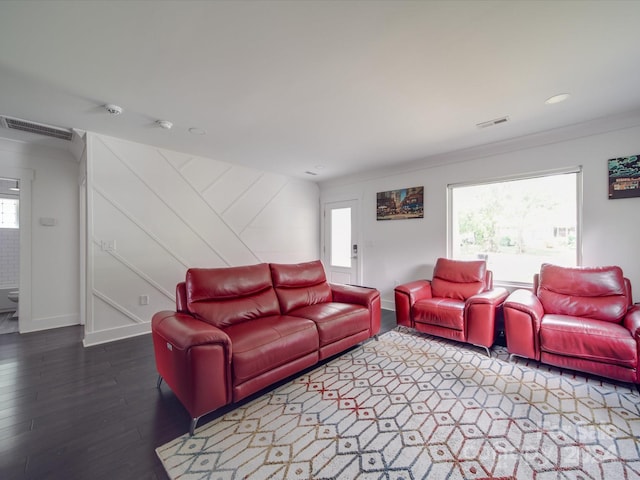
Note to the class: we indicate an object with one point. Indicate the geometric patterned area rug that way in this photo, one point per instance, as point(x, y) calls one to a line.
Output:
point(412, 406)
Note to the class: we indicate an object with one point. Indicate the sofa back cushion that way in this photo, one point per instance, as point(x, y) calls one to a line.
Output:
point(299, 285)
point(458, 279)
point(592, 292)
point(226, 296)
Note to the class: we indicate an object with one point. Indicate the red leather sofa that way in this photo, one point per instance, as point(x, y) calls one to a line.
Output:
point(578, 318)
point(238, 330)
point(459, 303)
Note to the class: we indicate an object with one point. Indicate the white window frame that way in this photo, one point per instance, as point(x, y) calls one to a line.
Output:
point(17, 200)
point(579, 206)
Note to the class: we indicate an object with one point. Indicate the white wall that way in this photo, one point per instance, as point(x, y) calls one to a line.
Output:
point(48, 189)
point(404, 250)
point(166, 211)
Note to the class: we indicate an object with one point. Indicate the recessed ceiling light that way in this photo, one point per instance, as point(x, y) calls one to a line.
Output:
point(557, 99)
point(319, 167)
point(197, 131)
point(166, 124)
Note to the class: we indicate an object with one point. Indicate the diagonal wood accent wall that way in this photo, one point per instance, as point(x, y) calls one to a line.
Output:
point(165, 211)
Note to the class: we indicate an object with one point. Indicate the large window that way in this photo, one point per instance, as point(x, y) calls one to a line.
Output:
point(517, 224)
point(9, 213)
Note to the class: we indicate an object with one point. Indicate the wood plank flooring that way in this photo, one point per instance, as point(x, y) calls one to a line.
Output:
point(69, 412)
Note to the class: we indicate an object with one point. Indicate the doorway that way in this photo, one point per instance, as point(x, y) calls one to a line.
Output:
point(9, 254)
point(341, 251)
point(24, 177)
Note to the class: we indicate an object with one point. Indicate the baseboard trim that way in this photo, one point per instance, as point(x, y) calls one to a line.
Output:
point(388, 305)
point(46, 323)
point(113, 334)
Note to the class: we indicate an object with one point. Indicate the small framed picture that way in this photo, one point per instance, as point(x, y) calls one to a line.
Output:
point(400, 204)
point(624, 177)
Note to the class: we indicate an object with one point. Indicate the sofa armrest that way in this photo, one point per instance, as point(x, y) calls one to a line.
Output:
point(194, 359)
point(480, 314)
point(632, 322)
point(406, 295)
point(523, 313)
point(367, 297)
point(353, 294)
point(184, 331)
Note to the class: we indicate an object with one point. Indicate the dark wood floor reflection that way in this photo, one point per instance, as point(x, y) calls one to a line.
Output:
point(69, 412)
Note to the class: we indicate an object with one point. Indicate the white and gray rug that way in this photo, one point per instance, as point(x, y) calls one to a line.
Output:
point(411, 406)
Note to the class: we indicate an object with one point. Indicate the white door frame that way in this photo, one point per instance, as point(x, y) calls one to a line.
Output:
point(25, 177)
point(355, 228)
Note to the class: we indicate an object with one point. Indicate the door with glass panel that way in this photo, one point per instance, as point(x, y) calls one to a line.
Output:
point(340, 246)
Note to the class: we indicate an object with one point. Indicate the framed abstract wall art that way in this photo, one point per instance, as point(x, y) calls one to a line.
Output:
point(624, 177)
point(400, 204)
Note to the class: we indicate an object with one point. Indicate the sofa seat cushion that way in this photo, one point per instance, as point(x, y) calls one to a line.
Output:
point(334, 320)
point(444, 312)
point(588, 339)
point(260, 345)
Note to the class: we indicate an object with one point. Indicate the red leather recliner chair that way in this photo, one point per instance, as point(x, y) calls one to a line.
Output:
point(578, 318)
point(459, 303)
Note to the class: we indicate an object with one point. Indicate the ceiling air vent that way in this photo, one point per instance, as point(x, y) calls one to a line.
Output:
point(491, 123)
point(39, 128)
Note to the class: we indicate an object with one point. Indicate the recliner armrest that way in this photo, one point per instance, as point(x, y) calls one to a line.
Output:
point(526, 302)
point(480, 315)
point(495, 296)
point(523, 314)
point(406, 295)
point(416, 290)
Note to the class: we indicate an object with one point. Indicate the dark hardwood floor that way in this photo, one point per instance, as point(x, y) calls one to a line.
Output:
point(69, 412)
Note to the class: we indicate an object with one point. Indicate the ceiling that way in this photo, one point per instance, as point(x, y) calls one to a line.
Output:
point(330, 87)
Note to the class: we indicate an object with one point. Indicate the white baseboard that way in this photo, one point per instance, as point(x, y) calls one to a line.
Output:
point(45, 323)
point(388, 305)
point(113, 334)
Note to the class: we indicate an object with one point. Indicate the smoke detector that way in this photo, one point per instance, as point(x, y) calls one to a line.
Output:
point(113, 109)
point(166, 124)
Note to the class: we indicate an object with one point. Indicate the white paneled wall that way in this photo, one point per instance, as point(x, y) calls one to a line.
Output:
point(153, 213)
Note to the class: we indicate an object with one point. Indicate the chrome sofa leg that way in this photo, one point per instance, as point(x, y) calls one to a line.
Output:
point(486, 349)
point(192, 425)
point(159, 382)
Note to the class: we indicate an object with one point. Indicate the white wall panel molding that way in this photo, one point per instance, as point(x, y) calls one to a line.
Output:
point(116, 306)
point(259, 212)
point(158, 241)
point(165, 211)
point(138, 272)
point(210, 187)
point(177, 196)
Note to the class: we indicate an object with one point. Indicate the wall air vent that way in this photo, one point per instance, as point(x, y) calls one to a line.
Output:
point(491, 123)
point(39, 128)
